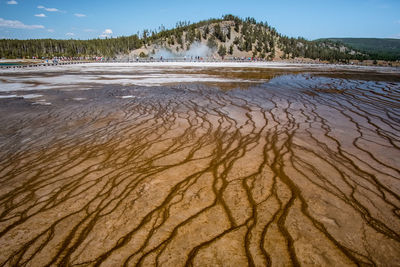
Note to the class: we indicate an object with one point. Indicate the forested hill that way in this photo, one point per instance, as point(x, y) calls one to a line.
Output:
point(229, 36)
point(70, 48)
point(388, 49)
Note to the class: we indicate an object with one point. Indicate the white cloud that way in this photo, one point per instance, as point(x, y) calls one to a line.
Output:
point(41, 15)
point(12, 2)
point(107, 33)
point(88, 30)
point(49, 9)
point(16, 24)
point(50, 30)
point(79, 15)
point(70, 34)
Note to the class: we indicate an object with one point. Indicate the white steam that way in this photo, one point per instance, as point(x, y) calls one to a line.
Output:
point(196, 50)
point(164, 53)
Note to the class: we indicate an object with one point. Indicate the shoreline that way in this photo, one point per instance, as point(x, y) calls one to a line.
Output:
point(215, 63)
point(224, 75)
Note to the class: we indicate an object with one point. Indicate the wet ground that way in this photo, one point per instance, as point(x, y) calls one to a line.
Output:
point(250, 167)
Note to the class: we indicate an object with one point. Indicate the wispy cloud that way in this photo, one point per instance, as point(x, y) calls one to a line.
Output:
point(79, 15)
point(16, 24)
point(41, 15)
point(49, 9)
point(107, 33)
point(70, 34)
point(12, 2)
point(88, 30)
point(50, 30)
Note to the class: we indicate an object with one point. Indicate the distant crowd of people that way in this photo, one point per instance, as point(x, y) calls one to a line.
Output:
point(199, 58)
point(61, 59)
point(137, 59)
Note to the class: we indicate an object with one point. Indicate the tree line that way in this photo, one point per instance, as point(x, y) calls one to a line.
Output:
point(11, 48)
point(258, 38)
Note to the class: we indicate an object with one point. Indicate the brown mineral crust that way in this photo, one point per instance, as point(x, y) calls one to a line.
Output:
point(192, 175)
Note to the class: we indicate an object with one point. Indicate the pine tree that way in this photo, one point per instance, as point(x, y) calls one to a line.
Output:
point(211, 42)
point(222, 50)
point(198, 36)
point(218, 33)
point(206, 32)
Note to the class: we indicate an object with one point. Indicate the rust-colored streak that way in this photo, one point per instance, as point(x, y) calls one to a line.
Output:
point(301, 170)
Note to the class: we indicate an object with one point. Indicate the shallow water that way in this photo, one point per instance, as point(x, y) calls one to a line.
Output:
point(10, 64)
point(298, 167)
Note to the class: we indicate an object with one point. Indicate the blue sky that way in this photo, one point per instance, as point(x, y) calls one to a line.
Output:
point(84, 19)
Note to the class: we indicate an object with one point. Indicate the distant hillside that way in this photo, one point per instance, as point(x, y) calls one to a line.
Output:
point(388, 49)
point(229, 36)
point(232, 36)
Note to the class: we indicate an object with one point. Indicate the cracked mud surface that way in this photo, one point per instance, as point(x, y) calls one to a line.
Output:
point(301, 170)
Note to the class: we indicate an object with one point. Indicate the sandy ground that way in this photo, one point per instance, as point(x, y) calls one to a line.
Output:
point(258, 167)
